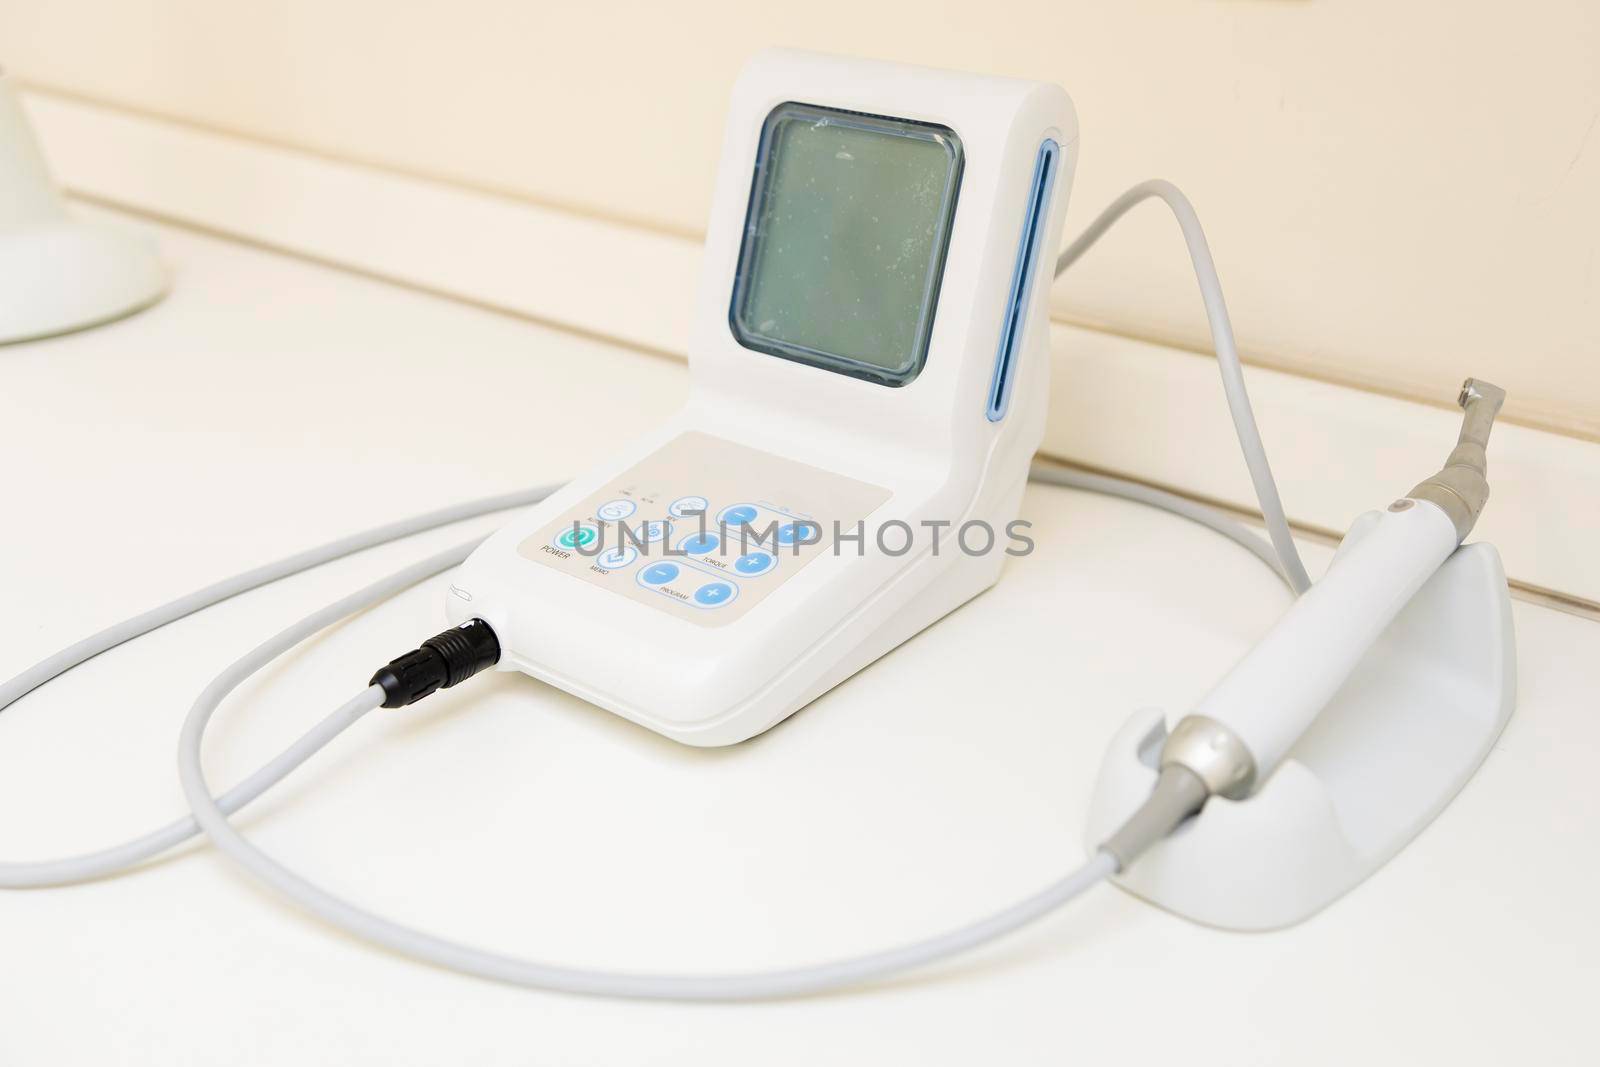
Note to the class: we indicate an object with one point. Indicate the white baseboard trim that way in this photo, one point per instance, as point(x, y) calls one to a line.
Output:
point(1118, 404)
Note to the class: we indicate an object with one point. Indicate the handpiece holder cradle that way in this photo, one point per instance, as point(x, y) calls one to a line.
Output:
point(1399, 740)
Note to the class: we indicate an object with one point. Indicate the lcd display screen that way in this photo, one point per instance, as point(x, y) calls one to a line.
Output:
point(845, 240)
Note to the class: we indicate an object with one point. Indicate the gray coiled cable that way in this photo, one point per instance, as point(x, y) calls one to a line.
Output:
point(210, 813)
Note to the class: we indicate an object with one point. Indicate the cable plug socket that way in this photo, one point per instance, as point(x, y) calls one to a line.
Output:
point(443, 660)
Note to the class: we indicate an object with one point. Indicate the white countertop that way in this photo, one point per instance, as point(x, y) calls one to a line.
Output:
point(269, 404)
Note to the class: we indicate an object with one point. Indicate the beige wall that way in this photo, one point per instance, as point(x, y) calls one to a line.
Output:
point(1399, 193)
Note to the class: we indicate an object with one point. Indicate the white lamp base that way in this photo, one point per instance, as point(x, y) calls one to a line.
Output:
point(60, 275)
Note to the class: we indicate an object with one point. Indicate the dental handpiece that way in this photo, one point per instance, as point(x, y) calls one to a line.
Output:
point(1241, 730)
point(1239, 733)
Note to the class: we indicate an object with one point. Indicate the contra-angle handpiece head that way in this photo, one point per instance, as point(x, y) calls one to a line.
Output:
point(1461, 487)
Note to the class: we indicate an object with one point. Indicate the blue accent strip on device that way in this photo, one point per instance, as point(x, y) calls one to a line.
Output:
point(1005, 364)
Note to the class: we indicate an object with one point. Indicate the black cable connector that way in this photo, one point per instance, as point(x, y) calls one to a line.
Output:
point(444, 660)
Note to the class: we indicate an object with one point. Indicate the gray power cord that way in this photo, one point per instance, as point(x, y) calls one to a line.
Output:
point(1165, 809)
point(457, 956)
point(88, 866)
point(1222, 343)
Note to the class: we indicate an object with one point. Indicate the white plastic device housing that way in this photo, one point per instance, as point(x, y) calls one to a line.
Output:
point(1396, 743)
point(930, 442)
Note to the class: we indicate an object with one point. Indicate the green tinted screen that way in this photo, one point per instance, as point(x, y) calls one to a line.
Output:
point(845, 240)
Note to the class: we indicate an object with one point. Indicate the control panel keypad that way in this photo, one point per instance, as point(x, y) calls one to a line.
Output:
point(704, 528)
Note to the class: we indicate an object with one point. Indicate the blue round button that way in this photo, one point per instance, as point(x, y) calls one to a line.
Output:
point(652, 531)
point(685, 506)
point(614, 559)
point(714, 594)
point(790, 532)
point(615, 510)
point(754, 563)
point(699, 544)
point(660, 573)
point(739, 515)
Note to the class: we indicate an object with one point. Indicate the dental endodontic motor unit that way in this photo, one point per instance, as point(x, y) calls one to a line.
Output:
point(869, 350)
point(869, 380)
